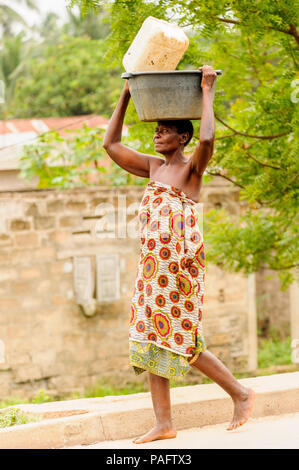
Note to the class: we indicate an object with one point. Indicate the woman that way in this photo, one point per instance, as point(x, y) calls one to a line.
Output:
point(165, 328)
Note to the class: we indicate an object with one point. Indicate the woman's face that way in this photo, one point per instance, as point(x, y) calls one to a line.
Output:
point(166, 138)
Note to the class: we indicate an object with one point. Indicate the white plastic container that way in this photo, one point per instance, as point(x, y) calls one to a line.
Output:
point(158, 45)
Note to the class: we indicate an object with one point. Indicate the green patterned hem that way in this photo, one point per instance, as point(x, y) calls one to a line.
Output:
point(197, 353)
point(159, 361)
point(138, 370)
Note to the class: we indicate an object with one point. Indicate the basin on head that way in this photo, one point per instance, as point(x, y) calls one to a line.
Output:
point(167, 95)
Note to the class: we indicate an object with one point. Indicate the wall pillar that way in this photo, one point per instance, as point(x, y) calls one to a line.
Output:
point(252, 324)
point(294, 310)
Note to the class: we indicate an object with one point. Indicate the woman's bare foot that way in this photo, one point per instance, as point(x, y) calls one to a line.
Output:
point(156, 433)
point(243, 407)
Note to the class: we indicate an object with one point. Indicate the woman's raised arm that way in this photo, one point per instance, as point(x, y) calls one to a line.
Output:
point(205, 147)
point(130, 160)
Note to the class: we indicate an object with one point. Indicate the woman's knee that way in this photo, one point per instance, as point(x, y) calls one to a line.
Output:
point(195, 358)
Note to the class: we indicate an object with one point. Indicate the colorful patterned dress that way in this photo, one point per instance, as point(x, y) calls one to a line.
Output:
point(165, 334)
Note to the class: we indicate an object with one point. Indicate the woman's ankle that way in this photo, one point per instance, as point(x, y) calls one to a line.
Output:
point(240, 395)
point(165, 425)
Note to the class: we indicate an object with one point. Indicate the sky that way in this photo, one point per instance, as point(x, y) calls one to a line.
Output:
point(58, 6)
point(32, 18)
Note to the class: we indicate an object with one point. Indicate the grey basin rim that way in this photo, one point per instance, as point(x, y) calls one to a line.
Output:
point(165, 72)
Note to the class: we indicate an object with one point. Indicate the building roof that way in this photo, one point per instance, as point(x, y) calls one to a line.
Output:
point(40, 125)
point(15, 133)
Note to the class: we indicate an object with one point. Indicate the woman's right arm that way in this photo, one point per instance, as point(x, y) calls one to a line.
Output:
point(130, 160)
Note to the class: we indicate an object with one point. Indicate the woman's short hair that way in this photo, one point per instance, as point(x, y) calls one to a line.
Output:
point(181, 126)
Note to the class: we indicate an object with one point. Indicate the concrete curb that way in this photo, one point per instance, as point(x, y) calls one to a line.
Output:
point(54, 433)
point(87, 421)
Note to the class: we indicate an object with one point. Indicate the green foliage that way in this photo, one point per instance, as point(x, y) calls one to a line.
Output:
point(69, 79)
point(10, 58)
point(104, 388)
point(10, 401)
point(253, 242)
point(17, 50)
point(255, 44)
point(95, 26)
point(15, 416)
point(14, 54)
point(49, 29)
point(74, 160)
point(41, 397)
point(86, 6)
point(9, 16)
point(274, 352)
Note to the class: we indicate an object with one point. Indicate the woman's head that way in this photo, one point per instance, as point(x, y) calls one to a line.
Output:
point(173, 133)
point(184, 126)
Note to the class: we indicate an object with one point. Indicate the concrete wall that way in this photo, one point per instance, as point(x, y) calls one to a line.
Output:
point(47, 340)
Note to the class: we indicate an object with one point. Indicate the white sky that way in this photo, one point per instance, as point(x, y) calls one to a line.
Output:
point(57, 6)
point(35, 19)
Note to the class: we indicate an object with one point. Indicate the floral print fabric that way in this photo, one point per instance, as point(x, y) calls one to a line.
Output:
point(166, 308)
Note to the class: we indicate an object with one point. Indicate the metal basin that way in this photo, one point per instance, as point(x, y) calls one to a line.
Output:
point(167, 95)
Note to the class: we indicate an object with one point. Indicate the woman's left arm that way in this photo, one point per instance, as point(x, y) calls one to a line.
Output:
point(205, 147)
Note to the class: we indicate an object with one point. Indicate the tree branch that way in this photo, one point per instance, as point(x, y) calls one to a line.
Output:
point(226, 20)
point(292, 31)
point(224, 136)
point(226, 177)
point(284, 190)
point(234, 182)
point(261, 163)
point(262, 137)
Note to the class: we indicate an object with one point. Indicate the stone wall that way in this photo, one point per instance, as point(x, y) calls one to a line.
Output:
point(273, 305)
point(47, 339)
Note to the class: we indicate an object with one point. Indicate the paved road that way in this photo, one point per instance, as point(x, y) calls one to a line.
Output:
point(272, 432)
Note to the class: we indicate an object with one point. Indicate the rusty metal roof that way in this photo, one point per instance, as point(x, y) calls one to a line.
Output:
point(40, 125)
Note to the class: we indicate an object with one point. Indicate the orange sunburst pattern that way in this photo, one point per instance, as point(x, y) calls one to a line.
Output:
point(167, 303)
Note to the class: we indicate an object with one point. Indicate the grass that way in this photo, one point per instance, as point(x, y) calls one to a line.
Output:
point(40, 397)
point(274, 352)
point(15, 416)
point(104, 389)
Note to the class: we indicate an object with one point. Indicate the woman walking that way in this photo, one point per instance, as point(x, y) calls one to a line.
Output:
point(166, 336)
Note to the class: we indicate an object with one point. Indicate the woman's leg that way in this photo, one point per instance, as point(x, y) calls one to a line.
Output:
point(161, 402)
point(243, 397)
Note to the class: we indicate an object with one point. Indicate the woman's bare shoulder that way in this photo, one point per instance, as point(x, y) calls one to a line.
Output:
point(155, 161)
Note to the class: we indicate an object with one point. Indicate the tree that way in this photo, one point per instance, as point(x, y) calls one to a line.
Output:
point(14, 49)
point(75, 160)
point(14, 56)
point(256, 44)
point(70, 78)
point(91, 25)
point(49, 29)
point(10, 59)
point(10, 16)
point(17, 49)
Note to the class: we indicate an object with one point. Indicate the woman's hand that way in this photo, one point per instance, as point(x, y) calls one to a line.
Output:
point(208, 77)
